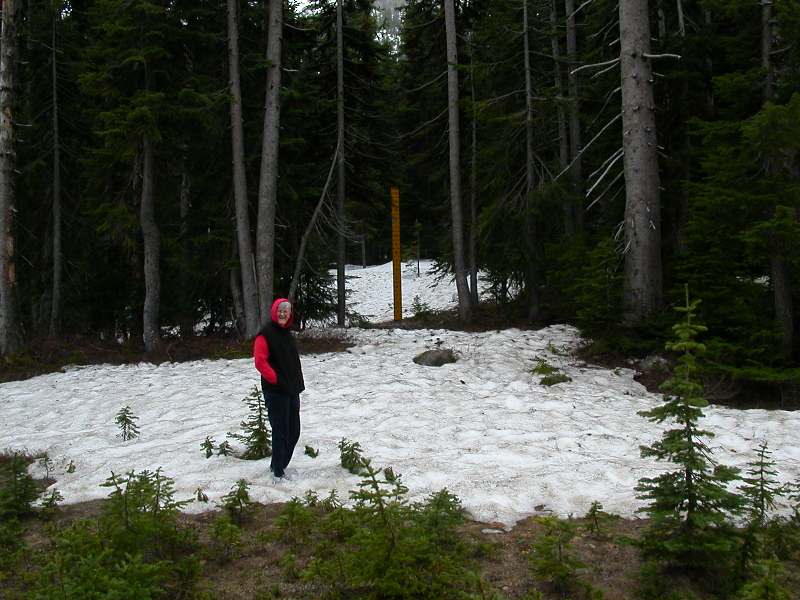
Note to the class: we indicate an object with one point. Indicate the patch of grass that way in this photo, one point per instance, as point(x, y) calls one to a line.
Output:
point(550, 375)
point(542, 367)
point(554, 379)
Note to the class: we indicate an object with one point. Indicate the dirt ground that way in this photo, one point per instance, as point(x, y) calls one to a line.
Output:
point(257, 568)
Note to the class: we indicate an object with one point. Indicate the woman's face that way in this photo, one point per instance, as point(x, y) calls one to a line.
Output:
point(284, 312)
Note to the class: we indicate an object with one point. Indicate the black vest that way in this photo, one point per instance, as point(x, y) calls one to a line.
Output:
point(284, 359)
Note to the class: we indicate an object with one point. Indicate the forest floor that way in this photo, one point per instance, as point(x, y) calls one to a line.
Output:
point(257, 568)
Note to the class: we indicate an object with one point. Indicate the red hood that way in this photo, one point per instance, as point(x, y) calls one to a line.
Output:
point(274, 313)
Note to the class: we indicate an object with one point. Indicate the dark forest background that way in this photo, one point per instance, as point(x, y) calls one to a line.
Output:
point(726, 86)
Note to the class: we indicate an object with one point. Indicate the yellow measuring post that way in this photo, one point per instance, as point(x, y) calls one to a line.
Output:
point(398, 291)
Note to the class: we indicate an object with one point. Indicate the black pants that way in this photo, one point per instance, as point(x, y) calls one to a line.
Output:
point(284, 419)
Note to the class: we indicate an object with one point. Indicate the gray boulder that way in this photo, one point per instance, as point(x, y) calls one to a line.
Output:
point(435, 358)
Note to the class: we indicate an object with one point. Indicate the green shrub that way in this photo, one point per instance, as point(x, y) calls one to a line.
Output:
point(17, 488)
point(237, 502)
point(350, 455)
point(226, 537)
point(295, 521)
point(385, 547)
point(136, 548)
point(551, 560)
point(549, 380)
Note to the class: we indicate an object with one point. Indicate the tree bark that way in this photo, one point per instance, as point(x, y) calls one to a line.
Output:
point(340, 182)
point(563, 135)
point(236, 294)
point(530, 173)
point(152, 252)
point(575, 141)
point(9, 325)
point(250, 301)
point(473, 200)
point(642, 293)
point(563, 139)
point(464, 303)
point(268, 184)
point(186, 314)
point(55, 304)
point(779, 267)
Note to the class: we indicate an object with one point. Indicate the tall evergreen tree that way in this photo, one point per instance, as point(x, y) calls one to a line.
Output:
point(9, 325)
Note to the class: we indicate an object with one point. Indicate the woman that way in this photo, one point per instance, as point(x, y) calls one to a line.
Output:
point(278, 361)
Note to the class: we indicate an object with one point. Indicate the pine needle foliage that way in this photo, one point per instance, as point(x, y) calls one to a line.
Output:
point(351, 457)
point(689, 506)
point(237, 502)
point(256, 434)
point(17, 488)
point(759, 494)
point(126, 421)
point(551, 559)
point(386, 547)
point(135, 549)
point(208, 446)
point(761, 486)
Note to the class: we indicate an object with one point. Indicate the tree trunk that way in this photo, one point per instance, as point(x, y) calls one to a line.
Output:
point(473, 200)
point(186, 312)
point(662, 20)
point(530, 173)
point(9, 326)
point(642, 294)
point(575, 141)
point(340, 183)
point(236, 295)
point(55, 304)
point(779, 267)
point(563, 139)
point(563, 135)
point(766, 46)
point(250, 302)
point(681, 20)
point(268, 184)
point(455, 161)
point(152, 252)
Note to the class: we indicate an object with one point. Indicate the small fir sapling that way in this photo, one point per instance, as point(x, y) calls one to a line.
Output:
point(208, 446)
point(17, 488)
point(256, 435)
point(224, 449)
point(310, 451)
point(47, 464)
point(769, 583)
point(596, 518)
point(237, 502)
point(385, 547)
point(689, 507)
point(226, 538)
point(295, 522)
point(50, 503)
point(551, 558)
point(71, 467)
point(759, 493)
point(126, 421)
point(761, 487)
point(200, 495)
point(351, 458)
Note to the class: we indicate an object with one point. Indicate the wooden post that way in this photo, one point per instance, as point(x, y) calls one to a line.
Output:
point(397, 286)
